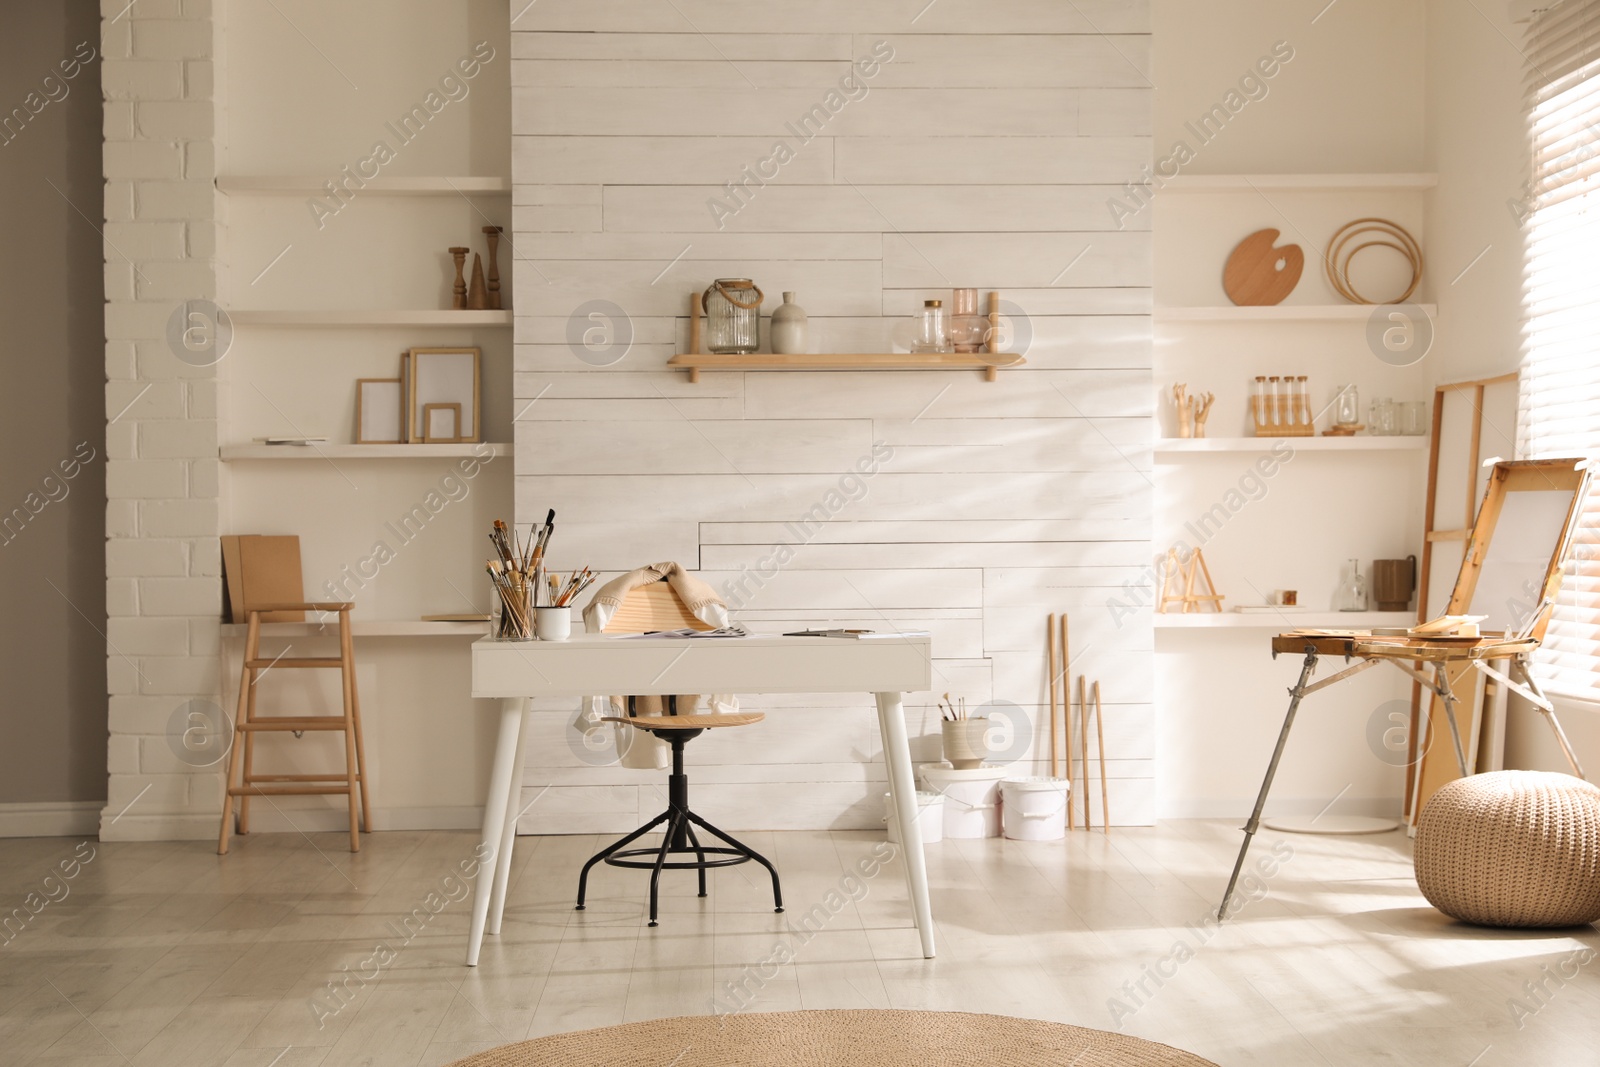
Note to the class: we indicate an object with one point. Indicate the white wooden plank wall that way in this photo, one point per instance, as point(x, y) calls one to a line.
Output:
point(982, 154)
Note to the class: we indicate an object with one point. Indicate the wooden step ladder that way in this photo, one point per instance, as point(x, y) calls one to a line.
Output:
point(247, 724)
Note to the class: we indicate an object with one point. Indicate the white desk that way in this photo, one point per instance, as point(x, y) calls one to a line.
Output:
point(515, 671)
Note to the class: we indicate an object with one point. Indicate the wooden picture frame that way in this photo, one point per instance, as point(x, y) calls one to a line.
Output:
point(431, 435)
point(380, 411)
point(443, 376)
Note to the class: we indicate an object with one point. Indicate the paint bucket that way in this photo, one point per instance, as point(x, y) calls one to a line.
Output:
point(1035, 808)
point(930, 817)
point(971, 799)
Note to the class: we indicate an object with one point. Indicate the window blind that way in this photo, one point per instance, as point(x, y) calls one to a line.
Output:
point(1559, 398)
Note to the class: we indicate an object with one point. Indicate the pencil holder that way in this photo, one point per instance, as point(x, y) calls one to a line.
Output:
point(516, 618)
point(966, 743)
point(554, 624)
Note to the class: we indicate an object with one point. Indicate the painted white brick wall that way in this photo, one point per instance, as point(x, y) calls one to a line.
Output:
point(982, 155)
point(163, 593)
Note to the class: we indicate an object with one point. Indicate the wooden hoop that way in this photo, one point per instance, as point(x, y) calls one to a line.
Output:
point(1337, 261)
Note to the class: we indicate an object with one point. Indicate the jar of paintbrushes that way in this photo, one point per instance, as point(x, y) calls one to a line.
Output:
point(516, 575)
point(966, 741)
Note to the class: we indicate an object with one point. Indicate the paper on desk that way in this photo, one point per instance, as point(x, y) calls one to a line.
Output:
point(689, 634)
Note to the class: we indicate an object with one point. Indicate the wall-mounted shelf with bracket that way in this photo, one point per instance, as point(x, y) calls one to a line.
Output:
point(990, 365)
point(374, 317)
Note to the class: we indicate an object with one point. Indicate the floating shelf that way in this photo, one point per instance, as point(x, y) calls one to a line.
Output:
point(990, 365)
point(298, 185)
point(236, 453)
point(363, 628)
point(1222, 183)
point(1279, 313)
point(1282, 622)
point(1173, 447)
point(374, 317)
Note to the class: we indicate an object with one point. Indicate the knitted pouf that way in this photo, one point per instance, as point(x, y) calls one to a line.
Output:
point(1512, 848)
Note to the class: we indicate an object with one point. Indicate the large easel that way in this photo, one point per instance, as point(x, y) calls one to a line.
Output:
point(1447, 656)
point(1426, 769)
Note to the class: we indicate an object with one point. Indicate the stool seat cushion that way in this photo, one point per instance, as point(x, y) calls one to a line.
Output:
point(688, 722)
point(1512, 848)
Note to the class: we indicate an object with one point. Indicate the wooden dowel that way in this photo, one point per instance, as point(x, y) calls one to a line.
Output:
point(1066, 664)
point(1050, 656)
point(1100, 731)
point(1083, 720)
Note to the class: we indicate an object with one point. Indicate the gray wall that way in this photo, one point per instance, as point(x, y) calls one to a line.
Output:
point(52, 547)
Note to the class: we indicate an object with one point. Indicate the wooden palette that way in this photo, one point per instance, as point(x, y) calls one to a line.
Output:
point(1258, 274)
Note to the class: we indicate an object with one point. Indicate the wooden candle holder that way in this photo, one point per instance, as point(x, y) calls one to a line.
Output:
point(459, 254)
point(493, 234)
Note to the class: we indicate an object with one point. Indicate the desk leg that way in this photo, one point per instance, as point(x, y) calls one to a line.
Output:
point(508, 833)
point(903, 790)
point(512, 711)
point(1254, 824)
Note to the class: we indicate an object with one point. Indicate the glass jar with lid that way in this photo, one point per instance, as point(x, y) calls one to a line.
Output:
point(932, 329)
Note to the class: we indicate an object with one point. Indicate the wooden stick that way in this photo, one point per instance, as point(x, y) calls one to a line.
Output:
point(1066, 716)
point(1100, 730)
point(1066, 662)
point(1050, 657)
point(1083, 720)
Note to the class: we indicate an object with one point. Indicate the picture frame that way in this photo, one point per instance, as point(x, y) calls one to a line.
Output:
point(443, 376)
point(441, 424)
point(380, 411)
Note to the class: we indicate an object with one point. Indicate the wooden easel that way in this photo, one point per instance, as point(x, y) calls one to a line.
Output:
point(1474, 392)
point(1199, 591)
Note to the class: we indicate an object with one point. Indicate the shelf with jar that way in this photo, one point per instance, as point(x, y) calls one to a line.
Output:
point(958, 339)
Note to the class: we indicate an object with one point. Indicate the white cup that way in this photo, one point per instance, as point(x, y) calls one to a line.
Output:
point(552, 624)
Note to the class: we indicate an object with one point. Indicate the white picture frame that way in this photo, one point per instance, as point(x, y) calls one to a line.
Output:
point(380, 411)
point(444, 376)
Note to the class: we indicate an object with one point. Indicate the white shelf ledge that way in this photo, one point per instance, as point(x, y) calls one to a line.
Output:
point(373, 317)
point(363, 628)
point(1285, 621)
point(236, 453)
point(1222, 183)
point(1174, 448)
point(313, 185)
point(1278, 313)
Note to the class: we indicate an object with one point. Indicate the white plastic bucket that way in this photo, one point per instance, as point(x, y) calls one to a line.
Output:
point(930, 817)
point(1035, 808)
point(971, 799)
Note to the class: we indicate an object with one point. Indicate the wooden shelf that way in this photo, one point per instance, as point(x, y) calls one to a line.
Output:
point(1278, 313)
point(990, 365)
point(236, 453)
point(364, 628)
point(1321, 183)
point(1283, 621)
point(300, 185)
point(373, 317)
point(1173, 447)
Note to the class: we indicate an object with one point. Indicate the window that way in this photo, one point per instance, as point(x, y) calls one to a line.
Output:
point(1559, 406)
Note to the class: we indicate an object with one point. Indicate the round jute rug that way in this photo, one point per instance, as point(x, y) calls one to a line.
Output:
point(836, 1039)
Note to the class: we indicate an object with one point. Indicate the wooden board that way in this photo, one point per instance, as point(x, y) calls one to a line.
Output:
point(263, 570)
point(1258, 274)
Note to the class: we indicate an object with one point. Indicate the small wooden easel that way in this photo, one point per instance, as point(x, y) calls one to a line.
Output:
point(1193, 574)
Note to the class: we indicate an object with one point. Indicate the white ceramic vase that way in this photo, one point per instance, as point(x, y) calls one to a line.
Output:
point(788, 328)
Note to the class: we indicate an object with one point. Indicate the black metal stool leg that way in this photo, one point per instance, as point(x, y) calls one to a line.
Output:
point(777, 891)
point(699, 853)
point(583, 879)
point(674, 826)
point(1266, 783)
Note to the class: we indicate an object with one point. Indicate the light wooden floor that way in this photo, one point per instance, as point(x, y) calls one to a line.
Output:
point(165, 954)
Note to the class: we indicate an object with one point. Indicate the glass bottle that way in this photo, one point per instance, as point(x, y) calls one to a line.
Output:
point(1353, 591)
point(1347, 408)
point(967, 327)
point(933, 331)
point(1258, 404)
